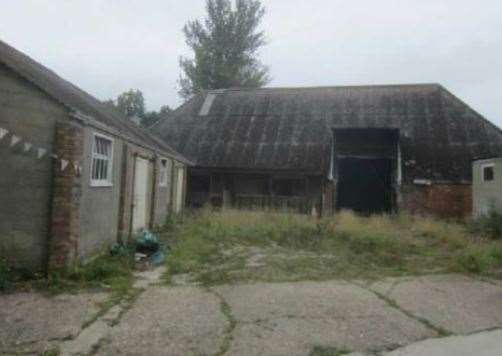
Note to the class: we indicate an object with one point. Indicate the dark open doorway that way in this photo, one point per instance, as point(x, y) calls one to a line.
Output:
point(365, 185)
point(366, 169)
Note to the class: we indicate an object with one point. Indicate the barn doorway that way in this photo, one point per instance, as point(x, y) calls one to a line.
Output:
point(365, 185)
point(366, 165)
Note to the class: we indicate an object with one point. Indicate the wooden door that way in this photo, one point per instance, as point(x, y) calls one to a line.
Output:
point(140, 202)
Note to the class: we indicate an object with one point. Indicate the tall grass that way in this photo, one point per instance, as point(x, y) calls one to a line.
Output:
point(380, 244)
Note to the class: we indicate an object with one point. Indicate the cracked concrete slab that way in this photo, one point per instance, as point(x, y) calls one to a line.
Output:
point(39, 320)
point(292, 318)
point(482, 344)
point(456, 303)
point(149, 277)
point(169, 321)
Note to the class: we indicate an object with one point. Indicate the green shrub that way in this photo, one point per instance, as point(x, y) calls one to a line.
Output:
point(489, 225)
point(105, 270)
point(5, 275)
point(479, 258)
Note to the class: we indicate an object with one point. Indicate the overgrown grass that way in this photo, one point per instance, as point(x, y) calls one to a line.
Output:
point(107, 272)
point(215, 247)
point(489, 225)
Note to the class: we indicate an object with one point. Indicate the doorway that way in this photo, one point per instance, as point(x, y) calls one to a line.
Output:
point(366, 162)
point(141, 197)
point(365, 185)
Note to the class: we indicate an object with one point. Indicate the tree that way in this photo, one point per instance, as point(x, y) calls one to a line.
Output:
point(225, 47)
point(151, 117)
point(131, 103)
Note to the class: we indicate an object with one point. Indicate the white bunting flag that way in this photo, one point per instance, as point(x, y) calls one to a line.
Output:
point(55, 156)
point(3, 132)
point(77, 167)
point(64, 164)
point(41, 152)
point(27, 146)
point(14, 140)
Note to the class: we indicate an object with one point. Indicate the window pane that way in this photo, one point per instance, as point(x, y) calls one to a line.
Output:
point(105, 170)
point(94, 169)
point(488, 174)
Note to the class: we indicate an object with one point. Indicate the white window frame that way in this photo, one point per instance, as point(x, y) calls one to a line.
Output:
point(108, 182)
point(163, 172)
point(487, 165)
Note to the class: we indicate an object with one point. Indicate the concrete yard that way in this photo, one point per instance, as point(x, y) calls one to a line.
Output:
point(432, 315)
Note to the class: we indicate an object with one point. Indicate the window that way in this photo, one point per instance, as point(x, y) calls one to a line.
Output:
point(163, 174)
point(102, 162)
point(488, 172)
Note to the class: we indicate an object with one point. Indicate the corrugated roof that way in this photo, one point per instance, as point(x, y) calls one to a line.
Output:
point(78, 100)
point(291, 128)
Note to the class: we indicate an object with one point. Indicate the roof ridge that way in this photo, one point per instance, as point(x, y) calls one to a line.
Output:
point(361, 86)
point(77, 99)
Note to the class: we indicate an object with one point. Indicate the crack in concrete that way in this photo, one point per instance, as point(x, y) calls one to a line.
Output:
point(226, 310)
point(393, 304)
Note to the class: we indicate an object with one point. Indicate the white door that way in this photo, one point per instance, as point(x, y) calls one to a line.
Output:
point(179, 190)
point(140, 207)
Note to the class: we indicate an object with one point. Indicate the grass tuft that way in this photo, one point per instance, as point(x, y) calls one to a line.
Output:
point(235, 246)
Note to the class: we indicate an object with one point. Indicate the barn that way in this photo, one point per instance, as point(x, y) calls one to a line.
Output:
point(371, 149)
point(76, 176)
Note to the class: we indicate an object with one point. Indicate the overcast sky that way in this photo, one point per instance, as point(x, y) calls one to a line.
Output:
point(109, 46)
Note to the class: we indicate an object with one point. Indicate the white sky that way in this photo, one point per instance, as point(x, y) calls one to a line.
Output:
point(109, 46)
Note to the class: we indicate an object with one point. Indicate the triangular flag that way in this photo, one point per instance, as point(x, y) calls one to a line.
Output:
point(27, 146)
point(3, 132)
point(64, 164)
point(55, 156)
point(41, 152)
point(14, 140)
point(76, 167)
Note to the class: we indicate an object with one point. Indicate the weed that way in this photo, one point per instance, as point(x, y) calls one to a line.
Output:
point(489, 225)
point(114, 273)
point(214, 246)
point(5, 275)
point(328, 351)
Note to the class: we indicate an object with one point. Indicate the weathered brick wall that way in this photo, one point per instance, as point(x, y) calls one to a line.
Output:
point(66, 196)
point(25, 180)
point(441, 200)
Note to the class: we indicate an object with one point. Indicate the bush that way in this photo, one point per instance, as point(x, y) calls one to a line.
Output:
point(105, 270)
point(5, 275)
point(489, 225)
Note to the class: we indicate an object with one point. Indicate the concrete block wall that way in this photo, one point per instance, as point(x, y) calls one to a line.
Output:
point(163, 197)
point(25, 180)
point(99, 213)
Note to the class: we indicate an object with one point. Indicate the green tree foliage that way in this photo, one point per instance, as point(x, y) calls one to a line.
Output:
point(131, 103)
point(151, 117)
point(225, 47)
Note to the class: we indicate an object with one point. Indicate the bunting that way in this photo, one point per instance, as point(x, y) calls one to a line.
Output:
point(14, 140)
point(64, 164)
point(41, 152)
point(3, 133)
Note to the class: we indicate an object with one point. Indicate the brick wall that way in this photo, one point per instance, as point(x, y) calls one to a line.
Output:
point(66, 195)
point(441, 200)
